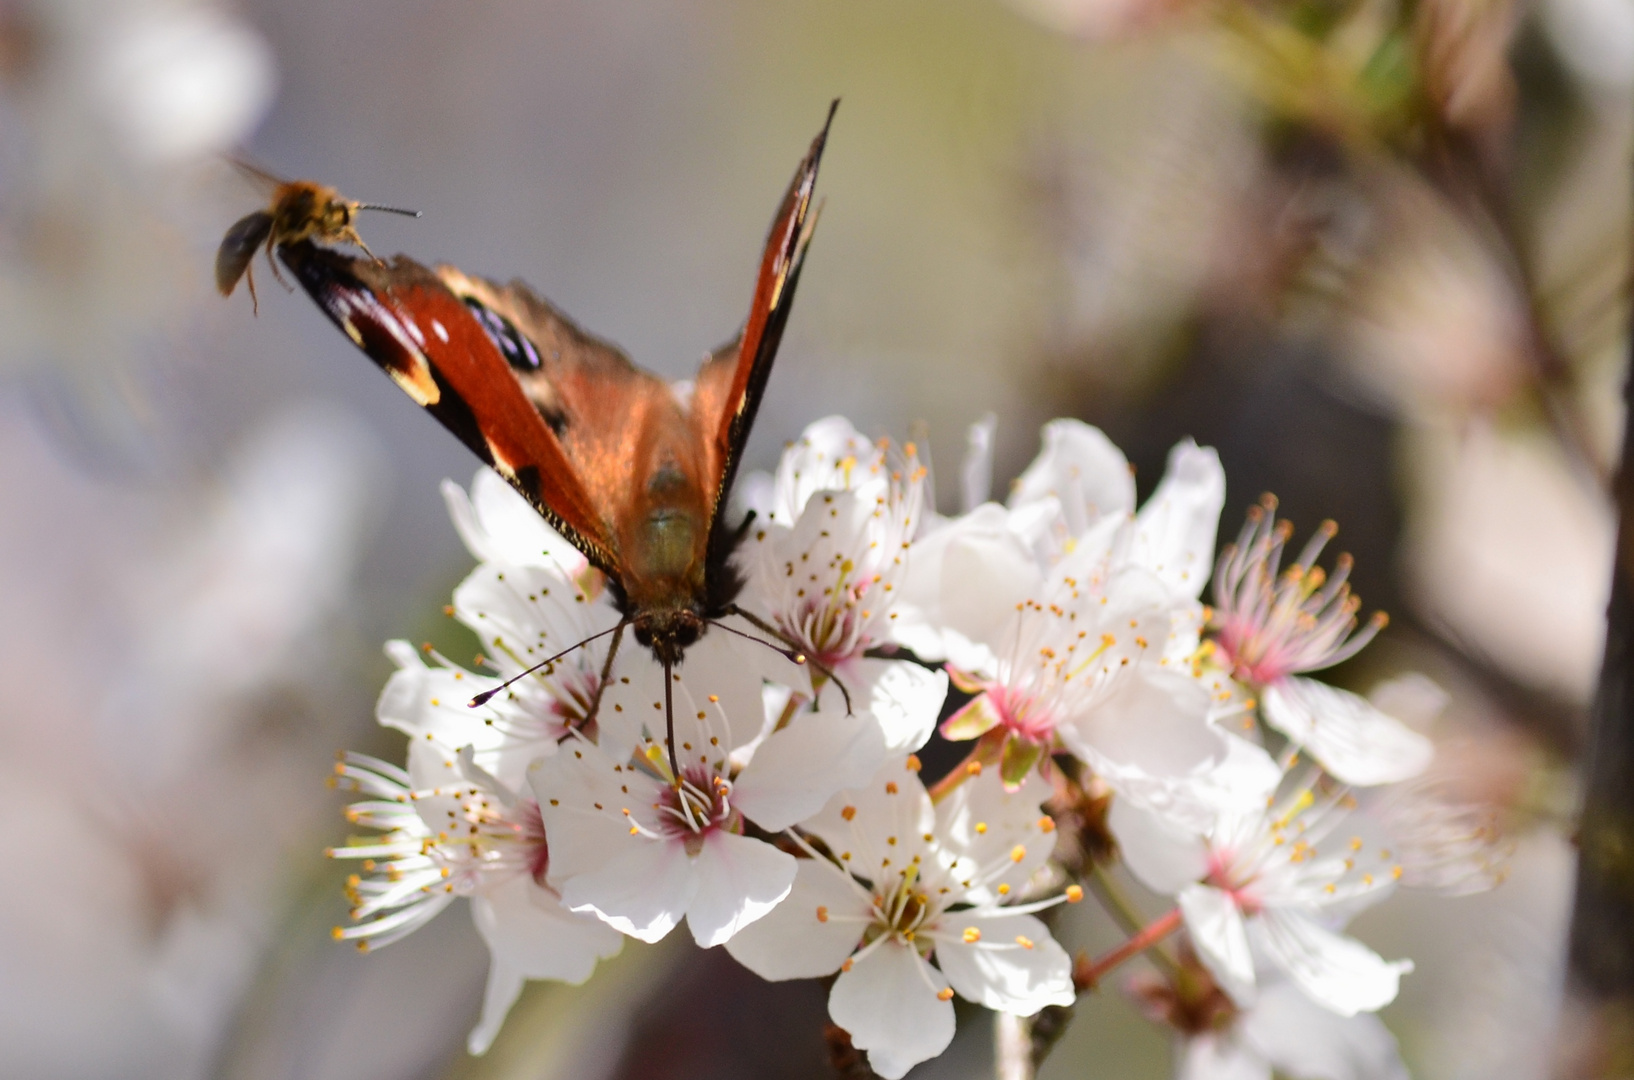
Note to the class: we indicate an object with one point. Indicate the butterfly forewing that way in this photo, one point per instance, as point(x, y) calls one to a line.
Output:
point(733, 380)
point(629, 469)
point(432, 344)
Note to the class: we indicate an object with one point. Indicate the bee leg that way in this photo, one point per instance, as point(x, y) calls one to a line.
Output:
point(273, 262)
point(351, 234)
point(249, 279)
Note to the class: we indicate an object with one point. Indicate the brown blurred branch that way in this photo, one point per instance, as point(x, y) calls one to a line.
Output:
point(1602, 937)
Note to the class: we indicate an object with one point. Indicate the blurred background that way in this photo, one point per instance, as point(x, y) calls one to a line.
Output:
point(1375, 251)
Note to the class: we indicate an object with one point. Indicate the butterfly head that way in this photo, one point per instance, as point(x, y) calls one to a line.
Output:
point(668, 632)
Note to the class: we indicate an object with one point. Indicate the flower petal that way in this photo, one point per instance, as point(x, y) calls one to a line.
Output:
point(738, 880)
point(883, 823)
point(963, 582)
point(811, 932)
point(1081, 467)
point(642, 892)
point(498, 525)
point(1165, 857)
point(982, 825)
point(1302, 1039)
point(1351, 739)
point(888, 1002)
point(1220, 1056)
point(905, 700)
point(1174, 531)
point(1336, 971)
point(796, 770)
point(1014, 965)
point(1221, 938)
point(531, 936)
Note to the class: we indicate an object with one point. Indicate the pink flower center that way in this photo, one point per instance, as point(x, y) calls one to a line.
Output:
point(699, 804)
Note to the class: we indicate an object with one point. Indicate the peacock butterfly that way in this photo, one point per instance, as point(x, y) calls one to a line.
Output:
point(633, 471)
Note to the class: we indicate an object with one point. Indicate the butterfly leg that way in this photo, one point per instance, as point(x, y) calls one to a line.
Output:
point(606, 674)
point(798, 657)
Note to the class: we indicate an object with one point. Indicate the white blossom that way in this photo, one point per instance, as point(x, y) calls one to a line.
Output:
point(1268, 877)
point(450, 829)
point(825, 567)
point(1284, 1033)
point(900, 883)
point(1274, 624)
point(643, 847)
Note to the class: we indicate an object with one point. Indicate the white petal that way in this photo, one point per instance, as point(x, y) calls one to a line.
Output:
point(1174, 531)
point(1150, 739)
point(1336, 971)
point(976, 471)
point(1351, 739)
point(1221, 938)
point(531, 936)
point(1081, 467)
point(498, 525)
point(905, 700)
point(810, 933)
point(816, 462)
point(1308, 1042)
point(980, 825)
point(1163, 855)
point(885, 820)
point(643, 892)
point(1219, 1057)
point(888, 1002)
point(738, 881)
point(997, 970)
point(567, 787)
point(796, 770)
point(720, 665)
point(963, 582)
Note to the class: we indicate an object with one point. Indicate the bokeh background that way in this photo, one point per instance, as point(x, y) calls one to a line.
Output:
point(1375, 251)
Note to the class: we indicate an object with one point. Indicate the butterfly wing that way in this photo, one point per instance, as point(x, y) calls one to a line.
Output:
point(733, 379)
point(472, 370)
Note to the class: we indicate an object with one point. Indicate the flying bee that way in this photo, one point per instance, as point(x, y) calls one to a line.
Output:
point(299, 210)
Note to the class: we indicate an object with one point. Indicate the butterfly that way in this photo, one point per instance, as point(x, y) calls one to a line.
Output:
point(298, 210)
point(633, 471)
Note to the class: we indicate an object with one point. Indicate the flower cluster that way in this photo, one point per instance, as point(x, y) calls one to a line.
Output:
point(789, 822)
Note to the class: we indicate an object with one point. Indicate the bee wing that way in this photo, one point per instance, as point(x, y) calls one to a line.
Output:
point(238, 247)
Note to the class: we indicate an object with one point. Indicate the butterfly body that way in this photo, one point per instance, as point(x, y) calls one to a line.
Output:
point(630, 469)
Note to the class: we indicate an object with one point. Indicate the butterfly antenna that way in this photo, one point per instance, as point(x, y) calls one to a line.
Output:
point(791, 654)
point(388, 209)
point(669, 722)
point(484, 697)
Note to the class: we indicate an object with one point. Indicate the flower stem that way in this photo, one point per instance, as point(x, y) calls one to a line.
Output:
point(987, 751)
point(1088, 974)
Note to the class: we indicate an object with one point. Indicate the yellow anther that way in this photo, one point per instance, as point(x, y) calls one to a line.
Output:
point(1075, 893)
point(1018, 853)
point(981, 828)
point(822, 913)
point(972, 935)
point(848, 812)
point(945, 994)
point(1024, 941)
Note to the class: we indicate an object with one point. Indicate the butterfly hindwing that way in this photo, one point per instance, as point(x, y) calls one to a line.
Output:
point(434, 346)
